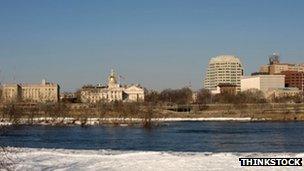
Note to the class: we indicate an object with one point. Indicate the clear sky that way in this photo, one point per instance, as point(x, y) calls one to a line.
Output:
point(157, 43)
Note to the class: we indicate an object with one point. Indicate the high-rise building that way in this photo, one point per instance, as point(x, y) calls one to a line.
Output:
point(224, 69)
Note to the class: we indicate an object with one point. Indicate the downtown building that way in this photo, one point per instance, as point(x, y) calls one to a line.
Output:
point(265, 83)
point(294, 79)
point(294, 73)
point(224, 69)
point(272, 86)
point(276, 67)
point(113, 91)
point(34, 92)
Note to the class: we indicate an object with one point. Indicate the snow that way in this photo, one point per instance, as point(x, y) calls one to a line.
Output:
point(63, 159)
point(203, 119)
point(95, 121)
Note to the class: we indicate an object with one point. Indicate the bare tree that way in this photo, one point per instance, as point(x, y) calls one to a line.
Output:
point(6, 162)
point(204, 96)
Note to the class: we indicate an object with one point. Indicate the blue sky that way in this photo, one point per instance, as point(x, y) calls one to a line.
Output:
point(159, 44)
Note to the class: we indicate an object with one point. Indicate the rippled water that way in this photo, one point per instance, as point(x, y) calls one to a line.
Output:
point(173, 136)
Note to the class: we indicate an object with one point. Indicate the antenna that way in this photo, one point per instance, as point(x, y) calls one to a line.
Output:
point(274, 58)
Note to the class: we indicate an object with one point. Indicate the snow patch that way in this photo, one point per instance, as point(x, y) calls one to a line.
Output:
point(62, 159)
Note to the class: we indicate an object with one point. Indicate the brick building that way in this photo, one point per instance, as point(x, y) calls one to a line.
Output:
point(294, 79)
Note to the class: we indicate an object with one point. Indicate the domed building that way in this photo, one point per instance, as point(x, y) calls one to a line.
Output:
point(113, 91)
point(226, 69)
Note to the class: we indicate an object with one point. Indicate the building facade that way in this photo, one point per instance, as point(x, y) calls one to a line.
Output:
point(41, 92)
point(11, 92)
point(112, 92)
point(282, 92)
point(279, 68)
point(226, 88)
point(223, 69)
point(262, 82)
point(276, 67)
point(294, 79)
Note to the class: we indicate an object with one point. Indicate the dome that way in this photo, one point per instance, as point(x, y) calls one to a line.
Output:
point(112, 79)
point(225, 58)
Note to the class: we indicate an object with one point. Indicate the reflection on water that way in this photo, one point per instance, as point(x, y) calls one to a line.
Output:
point(175, 136)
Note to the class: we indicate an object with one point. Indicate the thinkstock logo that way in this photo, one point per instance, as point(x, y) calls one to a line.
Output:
point(271, 161)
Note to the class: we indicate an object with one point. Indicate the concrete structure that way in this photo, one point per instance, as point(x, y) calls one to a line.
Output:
point(41, 92)
point(262, 82)
point(223, 69)
point(112, 92)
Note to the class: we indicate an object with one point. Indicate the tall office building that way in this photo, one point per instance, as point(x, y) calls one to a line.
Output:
point(223, 69)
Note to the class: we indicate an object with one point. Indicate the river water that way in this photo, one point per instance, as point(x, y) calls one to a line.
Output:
point(170, 136)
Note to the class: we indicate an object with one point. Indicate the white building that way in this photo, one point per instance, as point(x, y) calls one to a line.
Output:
point(223, 69)
point(262, 82)
point(112, 92)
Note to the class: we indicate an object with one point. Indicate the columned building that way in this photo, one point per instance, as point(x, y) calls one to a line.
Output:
point(113, 91)
point(226, 69)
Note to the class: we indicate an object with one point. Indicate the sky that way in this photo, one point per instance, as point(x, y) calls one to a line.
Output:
point(158, 44)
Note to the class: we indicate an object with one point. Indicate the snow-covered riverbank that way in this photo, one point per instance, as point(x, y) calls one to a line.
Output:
point(97, 121)
point(60, 159)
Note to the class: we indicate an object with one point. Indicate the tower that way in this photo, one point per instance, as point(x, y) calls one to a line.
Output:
point(274, 58)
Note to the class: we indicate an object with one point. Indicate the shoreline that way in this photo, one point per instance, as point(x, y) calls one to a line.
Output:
point(127, 121)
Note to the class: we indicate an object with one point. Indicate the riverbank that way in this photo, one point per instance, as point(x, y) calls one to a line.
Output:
point(71, 114)
point(62, 159)
point(99, 121)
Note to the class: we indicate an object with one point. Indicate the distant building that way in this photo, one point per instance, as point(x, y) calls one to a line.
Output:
point(11, 92)
point(112, 92)
point(294, 79)
point(226, 88)
point(278, 68)
point(223, 69)
point(264, 69)
point(262, 82)
point(41, 92)
point(275, 67)
point(282, 92)
point(68, 97)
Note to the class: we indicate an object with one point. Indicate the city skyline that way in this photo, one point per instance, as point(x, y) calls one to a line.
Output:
point(157, 44)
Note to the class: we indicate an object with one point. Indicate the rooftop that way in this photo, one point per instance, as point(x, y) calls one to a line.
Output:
point(225, 58)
